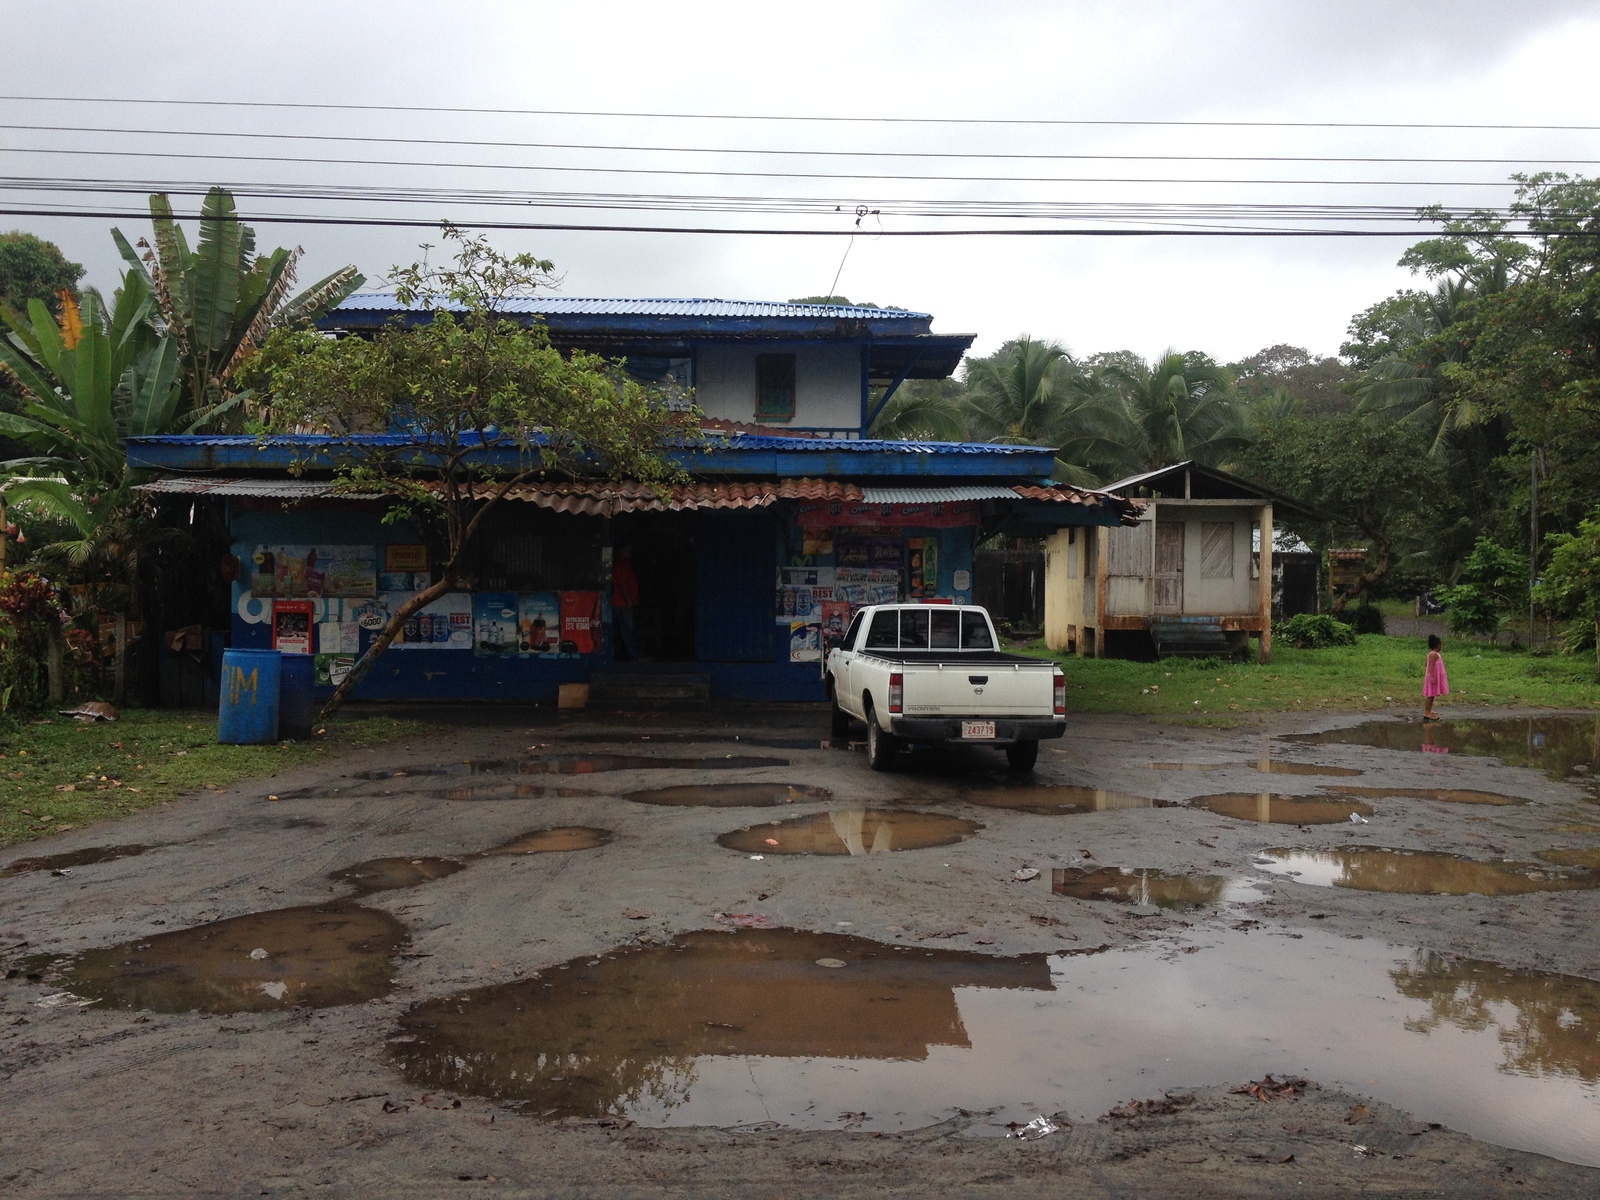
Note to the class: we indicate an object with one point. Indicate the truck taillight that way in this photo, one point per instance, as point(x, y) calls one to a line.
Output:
point(1061, 695)
point(897, 693)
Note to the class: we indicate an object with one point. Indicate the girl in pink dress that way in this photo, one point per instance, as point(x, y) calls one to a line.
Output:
point(1434, 680)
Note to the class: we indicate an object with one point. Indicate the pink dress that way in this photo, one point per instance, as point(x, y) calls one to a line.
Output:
point(1435, 682)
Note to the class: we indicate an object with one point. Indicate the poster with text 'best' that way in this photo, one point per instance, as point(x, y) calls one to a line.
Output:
point(445, 624)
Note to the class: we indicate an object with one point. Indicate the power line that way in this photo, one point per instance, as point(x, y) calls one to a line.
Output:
point(787, 152)
point(733, 231)
point(310, 160)
point(799, 117)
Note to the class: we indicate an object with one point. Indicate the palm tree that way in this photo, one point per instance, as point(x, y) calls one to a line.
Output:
point(923, 410)
point(1176, 407)
point(1017, 394)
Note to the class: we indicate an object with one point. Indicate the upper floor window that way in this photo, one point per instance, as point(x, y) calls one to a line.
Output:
point(775, 386)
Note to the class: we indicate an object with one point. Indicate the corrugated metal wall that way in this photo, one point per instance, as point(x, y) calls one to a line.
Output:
point(737, 553)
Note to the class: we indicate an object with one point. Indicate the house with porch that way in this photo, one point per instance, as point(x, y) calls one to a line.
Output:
point(1192, 575)
point(793, 517)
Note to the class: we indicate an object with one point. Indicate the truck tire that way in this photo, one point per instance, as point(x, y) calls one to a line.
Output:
point(1022, 755)
point(881, 746)
point(838, 719)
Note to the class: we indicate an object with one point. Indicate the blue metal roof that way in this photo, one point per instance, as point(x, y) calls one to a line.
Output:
point(664, 307)
point(737, 454)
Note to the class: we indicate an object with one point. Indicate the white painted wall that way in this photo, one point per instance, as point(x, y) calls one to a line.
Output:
point(827, 383)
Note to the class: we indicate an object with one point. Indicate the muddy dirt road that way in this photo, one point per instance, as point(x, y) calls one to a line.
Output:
point(715, 954)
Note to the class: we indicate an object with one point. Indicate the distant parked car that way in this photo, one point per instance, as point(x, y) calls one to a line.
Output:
point(1427, 606)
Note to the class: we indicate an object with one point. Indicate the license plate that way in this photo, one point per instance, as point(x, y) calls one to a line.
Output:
point(978, 730)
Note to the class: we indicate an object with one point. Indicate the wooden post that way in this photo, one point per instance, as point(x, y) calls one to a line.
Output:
point(119, 694)
point(1266, 583)
point(1102, 544)
point(55, 672)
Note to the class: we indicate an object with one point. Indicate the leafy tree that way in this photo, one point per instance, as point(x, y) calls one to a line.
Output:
point(1351, 479)
point(1493, 583)
point(1571, 584)
point(34, 269)
point(485, 404)
point(221, 300)
point(1384, 329)
point(1314, 384)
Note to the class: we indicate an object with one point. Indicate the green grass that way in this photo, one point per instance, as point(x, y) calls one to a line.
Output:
point(1378, 672)
point(58, 774)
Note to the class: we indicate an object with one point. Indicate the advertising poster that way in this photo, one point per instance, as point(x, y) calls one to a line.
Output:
point(835, 618)
point(295, 571)
point(580, 622)
point(494, 624)
point(291, 626)
point(805, 641)
point(860, 586)
point(330, 670)
point(401, 556)
point(539, 623)
point(338, 637)
point(445, 624)
point(802, 591)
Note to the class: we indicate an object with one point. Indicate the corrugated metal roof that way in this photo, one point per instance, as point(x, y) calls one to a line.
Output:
point(278, 489)
point(935, 495)
point(662, 307)
point(716, 439)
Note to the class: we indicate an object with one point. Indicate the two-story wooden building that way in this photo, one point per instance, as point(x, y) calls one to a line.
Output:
point(793, 517)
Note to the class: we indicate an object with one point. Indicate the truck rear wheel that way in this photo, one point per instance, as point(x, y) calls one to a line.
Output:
point(881, 746)
point(1023, 755)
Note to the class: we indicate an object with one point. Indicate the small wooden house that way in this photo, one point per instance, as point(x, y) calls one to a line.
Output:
point(1187, 579)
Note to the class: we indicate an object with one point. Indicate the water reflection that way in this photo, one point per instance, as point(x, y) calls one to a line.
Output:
point(1143, 886)
point(1274, 766)
point(1545, 1023)
point(1554, 745)
point(72, 858)
point(1057, 799)
point(1420, 872)
point(1442, 795)
point(731, 795)
point(390, 874)
point(852, 831)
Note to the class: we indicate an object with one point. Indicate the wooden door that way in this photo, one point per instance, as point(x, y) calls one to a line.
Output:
point(1169, 567)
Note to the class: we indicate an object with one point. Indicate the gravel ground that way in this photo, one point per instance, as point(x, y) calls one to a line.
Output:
point(105, 1101)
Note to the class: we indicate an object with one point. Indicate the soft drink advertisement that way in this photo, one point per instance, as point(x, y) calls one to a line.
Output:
point(293, 571)
point(445, 624)
point(539, 623)
point(494, 624)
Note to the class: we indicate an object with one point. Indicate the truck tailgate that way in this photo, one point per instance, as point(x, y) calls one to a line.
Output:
point(980, 689)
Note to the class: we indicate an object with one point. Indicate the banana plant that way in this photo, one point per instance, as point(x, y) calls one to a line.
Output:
point(220, 300)
point(92, 378)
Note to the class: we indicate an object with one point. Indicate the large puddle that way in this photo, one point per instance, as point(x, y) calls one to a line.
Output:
point(1275, 809)
point(1057, 799)
point(851, 831)
point(69, 859)
point(1144, 887)
point(1420, 872)
point(315, 956)
point(1274, 766)
point(1554, 745)
point(391, 874)
point(552, 841)
point(1442, 795)
point(821, 1031)
point(732, 795)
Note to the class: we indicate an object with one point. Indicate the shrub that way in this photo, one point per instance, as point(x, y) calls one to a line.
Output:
point(1492, 583)
point(1316, 631)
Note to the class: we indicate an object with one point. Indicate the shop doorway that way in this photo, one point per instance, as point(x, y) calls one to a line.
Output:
point(663, 548)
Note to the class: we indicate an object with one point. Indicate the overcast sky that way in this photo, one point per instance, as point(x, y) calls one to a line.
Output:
point(1462, 61)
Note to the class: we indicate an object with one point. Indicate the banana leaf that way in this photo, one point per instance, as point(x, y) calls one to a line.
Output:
point(152, 387)
point(217, 275)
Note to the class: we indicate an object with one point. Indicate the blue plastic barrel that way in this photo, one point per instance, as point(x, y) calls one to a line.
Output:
point(247, 714)
point(297, 707)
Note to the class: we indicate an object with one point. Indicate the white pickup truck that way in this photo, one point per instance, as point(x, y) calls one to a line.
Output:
point(935, 673)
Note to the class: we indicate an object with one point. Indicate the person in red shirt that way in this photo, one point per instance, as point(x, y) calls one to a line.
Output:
point(624, 599)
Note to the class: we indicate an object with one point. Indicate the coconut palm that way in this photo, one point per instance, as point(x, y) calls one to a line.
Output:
point(1176, 407)
point(923, 410)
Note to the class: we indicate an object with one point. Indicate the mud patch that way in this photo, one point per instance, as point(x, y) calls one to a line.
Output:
point(852, 831)
point(1275, 809)
point(1419, 872)
point(1587, 858)
point(1555, 745)
point(390, 874)
point(502, 791)
point(1142, 886)
point(73, 858)
point(1442, 795)
point(731, 795)
point(731, 1029)
point(1275, 766)
point(314, 957)
point(547, 841)
point(1057, 799)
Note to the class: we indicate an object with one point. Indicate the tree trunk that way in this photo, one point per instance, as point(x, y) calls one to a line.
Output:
point(382, 642)
point(55, 670)
point(1379, 570)
point(119, 694)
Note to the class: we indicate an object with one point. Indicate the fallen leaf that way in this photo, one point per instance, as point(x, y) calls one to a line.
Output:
point(1359, 1115)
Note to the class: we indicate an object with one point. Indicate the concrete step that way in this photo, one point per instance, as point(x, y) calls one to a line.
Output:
point(649, 689)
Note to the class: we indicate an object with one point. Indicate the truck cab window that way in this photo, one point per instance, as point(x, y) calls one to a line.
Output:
point(850, 634)
point(945, 628)
point(975, 631)
point(884, 633)
point(913, 629)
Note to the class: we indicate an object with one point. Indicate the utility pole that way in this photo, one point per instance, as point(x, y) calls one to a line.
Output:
point(1533, 535)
